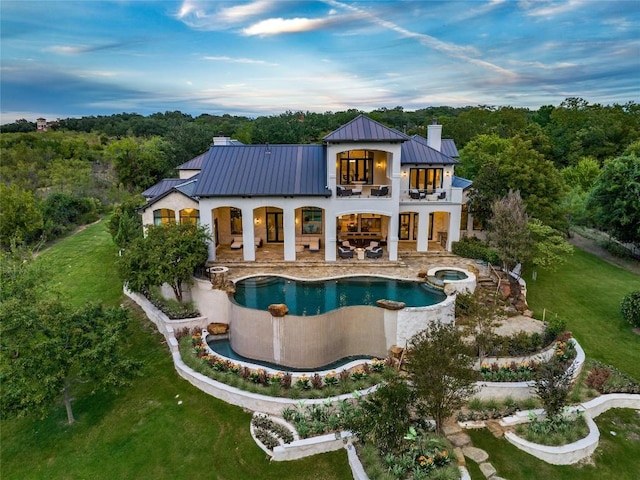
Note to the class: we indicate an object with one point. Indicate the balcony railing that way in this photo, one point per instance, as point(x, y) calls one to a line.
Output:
point(363, 191)
point(417, 195)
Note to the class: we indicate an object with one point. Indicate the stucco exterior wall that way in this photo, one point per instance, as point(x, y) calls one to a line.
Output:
point(174, 201)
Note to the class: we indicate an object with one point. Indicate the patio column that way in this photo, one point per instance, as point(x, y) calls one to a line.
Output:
point(392, 238)
point(289, 224)
point(329, 239)
point(422, 242)
point(454, 227)
point(206, 220)
point(248, 235)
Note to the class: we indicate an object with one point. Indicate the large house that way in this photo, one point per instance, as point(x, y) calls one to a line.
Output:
point(365, 183)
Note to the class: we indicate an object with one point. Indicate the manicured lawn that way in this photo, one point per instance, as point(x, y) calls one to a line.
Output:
point(615, 459)
point(587, 292)
point(142, 432)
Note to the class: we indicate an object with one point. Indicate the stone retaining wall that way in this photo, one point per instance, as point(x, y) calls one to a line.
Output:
point(576, 451)
point(524, 390)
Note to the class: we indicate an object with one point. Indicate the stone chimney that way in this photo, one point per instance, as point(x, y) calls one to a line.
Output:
point(434, 135)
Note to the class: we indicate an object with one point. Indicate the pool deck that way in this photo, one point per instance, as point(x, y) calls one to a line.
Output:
point(310, 265)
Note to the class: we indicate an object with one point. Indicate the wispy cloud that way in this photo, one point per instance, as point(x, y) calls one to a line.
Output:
point(276, 26)
point(539, 8)
point(246, 61)
point(201, 16)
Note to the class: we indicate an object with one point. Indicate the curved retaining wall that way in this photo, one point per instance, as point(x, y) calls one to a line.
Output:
point(576, 451)
point(226, 393)
point(524, 390)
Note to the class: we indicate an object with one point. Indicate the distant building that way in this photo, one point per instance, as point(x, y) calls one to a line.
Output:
point(42, 125)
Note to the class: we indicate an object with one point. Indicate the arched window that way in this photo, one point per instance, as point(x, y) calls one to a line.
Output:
point(190, 215)
point(162, 216)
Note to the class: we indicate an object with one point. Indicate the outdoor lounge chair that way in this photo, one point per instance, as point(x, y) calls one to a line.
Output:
point(374, 253)
point(346, 244)
point(373, 244)
point(236, 244)
point(343, 192)
point(380, 192)
point(344, 252)
point(416, 194)
point(442, 195)
point(258, 242)
point(314, 244)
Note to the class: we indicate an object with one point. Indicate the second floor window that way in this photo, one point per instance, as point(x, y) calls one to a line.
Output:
point(356, 167)
point(425, 178)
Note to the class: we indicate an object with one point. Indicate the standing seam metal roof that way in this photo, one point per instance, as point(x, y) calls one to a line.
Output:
point(363, 129)
point(417, 151)
point(263, 170)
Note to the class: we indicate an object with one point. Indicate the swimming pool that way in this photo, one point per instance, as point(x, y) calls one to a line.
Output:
point(447, 274)
point(305, 297)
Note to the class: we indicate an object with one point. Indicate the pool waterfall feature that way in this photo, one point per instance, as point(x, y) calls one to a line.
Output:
point(310, 341)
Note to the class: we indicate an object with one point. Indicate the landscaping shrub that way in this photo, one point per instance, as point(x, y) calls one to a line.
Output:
point(630, 308)
point(555, 327)
point(607, 379)
point(472, 247)
point(171, 308)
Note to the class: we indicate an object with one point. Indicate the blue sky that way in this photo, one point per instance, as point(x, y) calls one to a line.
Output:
point(264, 57)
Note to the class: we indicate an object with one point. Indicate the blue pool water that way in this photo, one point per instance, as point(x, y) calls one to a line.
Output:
point(316, 297)
point(451, 275)
point(222, 347)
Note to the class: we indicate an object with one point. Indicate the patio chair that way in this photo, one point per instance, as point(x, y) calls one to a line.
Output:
point(380, 192)
point(347, 244)
point(343, 192)
point(374, 253)
point(344, 252)
point(416, 194)
point(237, 243)
point(314, 244)
point(373, 244)
point(442, 195)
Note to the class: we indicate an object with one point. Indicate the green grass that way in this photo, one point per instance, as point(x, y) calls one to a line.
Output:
point(82, 266)
point(615, 459)
point(587, 292)
point(142, 432)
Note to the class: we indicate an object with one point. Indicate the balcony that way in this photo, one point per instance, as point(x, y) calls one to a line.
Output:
point(424, 196)
point(363, 191)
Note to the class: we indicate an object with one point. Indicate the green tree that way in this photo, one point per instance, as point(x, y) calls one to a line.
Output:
point(553, 381)
point(384, 416)
point(615, 199)
point(20, 215)
point(47, 348)
point(478, 314)
point(630, 308)
point(125, 224)
point(507, 230)
point(140, 163)
point(440, 371)
point(549, 247)
point(520, 167)
point(168, 254)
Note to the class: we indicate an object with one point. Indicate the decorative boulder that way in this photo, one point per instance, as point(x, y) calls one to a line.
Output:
point(473, 269)
point(505, 291)
point(278, 309)
point(422, 273)
point(390, 304)
point(218, 328)
point(230, 288)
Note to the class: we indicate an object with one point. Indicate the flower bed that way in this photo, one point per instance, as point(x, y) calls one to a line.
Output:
point(196, 353)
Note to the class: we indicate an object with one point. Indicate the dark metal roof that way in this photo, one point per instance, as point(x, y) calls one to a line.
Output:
point(363, 129)
point(448, 147)
point(417, 151)
point(161, 187)
point(185, 187)
point(459, 182)
point(264, 170)
point(194, 163)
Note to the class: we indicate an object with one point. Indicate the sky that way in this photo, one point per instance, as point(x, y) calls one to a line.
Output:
point(265, 57)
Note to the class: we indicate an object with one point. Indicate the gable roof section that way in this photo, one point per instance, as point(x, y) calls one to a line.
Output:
point(161, 187)
point(416, 151)
point(363, 129)
point(185, 187)
point(264, 170)
point(448, 147)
